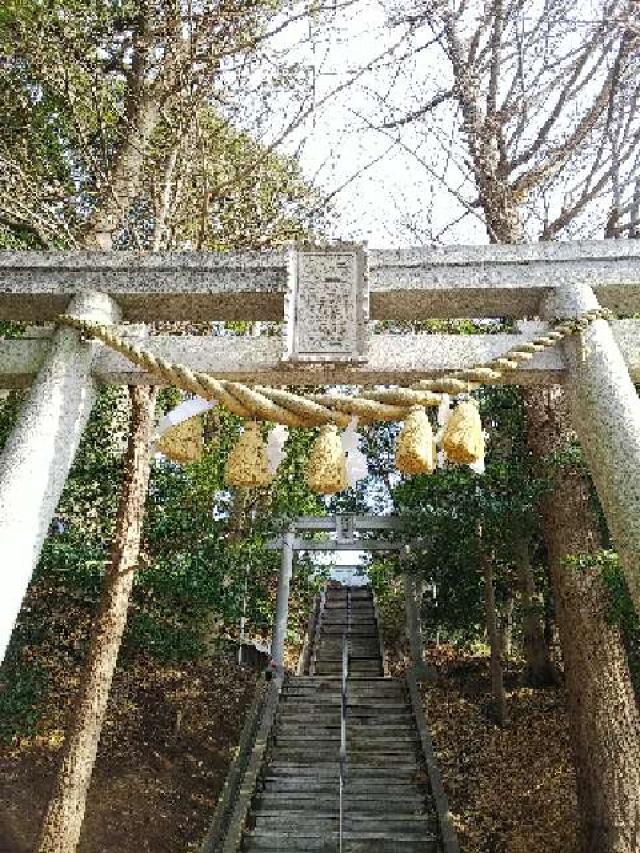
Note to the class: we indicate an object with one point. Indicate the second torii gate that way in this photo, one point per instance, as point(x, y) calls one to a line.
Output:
point(346, 527)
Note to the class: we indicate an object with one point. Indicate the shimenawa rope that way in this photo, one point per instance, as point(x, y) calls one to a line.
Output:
point(294, 410)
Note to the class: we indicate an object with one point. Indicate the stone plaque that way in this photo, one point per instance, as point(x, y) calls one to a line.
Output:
point(327, 305)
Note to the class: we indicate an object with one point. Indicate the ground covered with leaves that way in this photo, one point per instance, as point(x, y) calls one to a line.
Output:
point(166, 745)
point(510, 790)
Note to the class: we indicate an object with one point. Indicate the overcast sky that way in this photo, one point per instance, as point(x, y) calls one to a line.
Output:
point(388, 197)
point(358, 69)
point(384, 193)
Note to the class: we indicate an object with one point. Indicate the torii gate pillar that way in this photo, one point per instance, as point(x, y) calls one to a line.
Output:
point(605, 411)
point(282, 601)
point(38, 454)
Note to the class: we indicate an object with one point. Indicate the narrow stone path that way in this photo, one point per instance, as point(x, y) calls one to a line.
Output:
point(387, 802)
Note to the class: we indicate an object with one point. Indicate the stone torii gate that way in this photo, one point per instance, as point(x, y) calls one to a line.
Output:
point(326, 298)
point(345, 527)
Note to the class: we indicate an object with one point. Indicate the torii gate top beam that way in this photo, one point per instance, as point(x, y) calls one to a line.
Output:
point(344, 526)
point(476, 281)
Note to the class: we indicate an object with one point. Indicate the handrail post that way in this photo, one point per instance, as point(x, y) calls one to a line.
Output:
point(343, 725)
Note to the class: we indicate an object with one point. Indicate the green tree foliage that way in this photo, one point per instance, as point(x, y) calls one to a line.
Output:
point(108, 109)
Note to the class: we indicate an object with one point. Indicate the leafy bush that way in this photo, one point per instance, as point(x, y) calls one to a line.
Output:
point(23, 686)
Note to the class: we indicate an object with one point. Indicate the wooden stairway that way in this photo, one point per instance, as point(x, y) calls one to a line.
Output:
point(387, 802)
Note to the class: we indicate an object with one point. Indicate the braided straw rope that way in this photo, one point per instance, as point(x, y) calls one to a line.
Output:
point(295, 410)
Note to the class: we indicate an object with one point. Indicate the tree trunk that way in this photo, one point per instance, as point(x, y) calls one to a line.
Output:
point(497, 679)
point(65, 813)
point(124, 180)
point(603, 715)
point(506, 628)
point(539, 671)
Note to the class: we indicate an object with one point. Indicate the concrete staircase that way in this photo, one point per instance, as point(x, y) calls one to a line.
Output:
point(387, 803)
point(347, 611)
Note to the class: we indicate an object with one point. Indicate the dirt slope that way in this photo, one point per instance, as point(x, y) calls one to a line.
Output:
point(169, 736)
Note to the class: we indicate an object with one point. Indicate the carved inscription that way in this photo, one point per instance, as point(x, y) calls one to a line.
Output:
point(328, 306)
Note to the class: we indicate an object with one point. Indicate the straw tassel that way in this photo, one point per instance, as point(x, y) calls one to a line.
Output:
point(248, 465)
point(326, 471)
point(183, 442)
point(415, 453)
point(463, 439)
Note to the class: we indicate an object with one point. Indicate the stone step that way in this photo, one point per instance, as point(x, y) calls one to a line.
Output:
point(332, 683)
point(322, 732)
point(327, 665)
point(334, 652)
point(350, 619)
point(330, 736)
point(325, 709)
point(356, 660)
point(332, 719)
point(324, 701)
point(328, 726)
point(365, 687)
point(362, 610)
point(335, 655)
point(299, 705)
point(325, 705)
point(362, 790)
point(357, 770)
point(363, 605)
point(353, 596)
point(276, 841)
point(368, 786)
point(339, 628)
point(363, 656)
point(359, 788)
point(359, 757)
point(356, 746)
point(360, 688)
point(316, 681)
point(322, 822)
point(320, 736)
point(352, 589)
point(354, 803)
point(327, 750)
point(334, 669)
point(357, 667)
